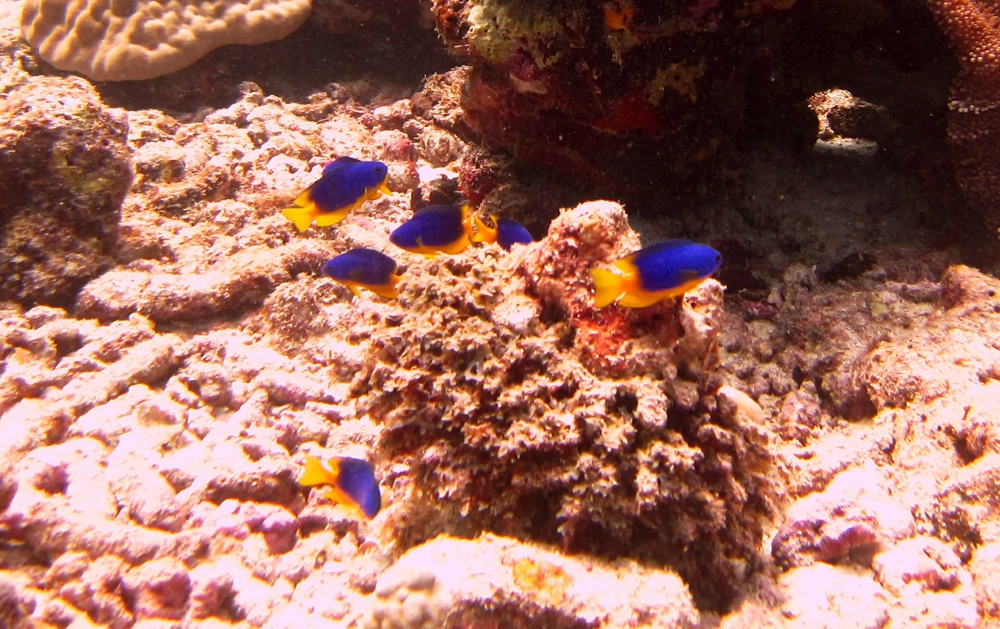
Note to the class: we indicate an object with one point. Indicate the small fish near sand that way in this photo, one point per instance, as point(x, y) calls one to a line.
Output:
point(437, 229)
point(351, 483)
point(667, 269)
point(364, 268)
point(505, 232)
point(345, 185)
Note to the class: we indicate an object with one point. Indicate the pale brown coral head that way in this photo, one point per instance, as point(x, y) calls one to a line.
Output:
point(122, 40)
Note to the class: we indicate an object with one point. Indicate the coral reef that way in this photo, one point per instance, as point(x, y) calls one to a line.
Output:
point(811, 445)
point(66, 168)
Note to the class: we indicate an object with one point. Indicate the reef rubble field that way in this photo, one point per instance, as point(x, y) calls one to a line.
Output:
point(819, 447)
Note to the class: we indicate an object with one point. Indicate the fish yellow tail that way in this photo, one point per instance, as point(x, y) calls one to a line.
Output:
point(301, 217)
point(608, 285)
point(315, 473)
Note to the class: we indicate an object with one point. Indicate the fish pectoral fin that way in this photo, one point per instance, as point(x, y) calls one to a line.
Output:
point(384, 188)
point(301, 217)
point(335, 494)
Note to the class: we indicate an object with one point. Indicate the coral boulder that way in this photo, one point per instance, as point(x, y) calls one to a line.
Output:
point(64, 170)
point(518, 408)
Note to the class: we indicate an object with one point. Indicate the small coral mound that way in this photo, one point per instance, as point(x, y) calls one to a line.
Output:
point(130, 40)
point(64, 170)
point(522, 410)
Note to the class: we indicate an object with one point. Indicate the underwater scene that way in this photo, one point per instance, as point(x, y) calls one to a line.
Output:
point(486, 314)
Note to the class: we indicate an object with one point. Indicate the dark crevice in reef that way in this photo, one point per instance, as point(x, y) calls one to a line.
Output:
point(378, 66)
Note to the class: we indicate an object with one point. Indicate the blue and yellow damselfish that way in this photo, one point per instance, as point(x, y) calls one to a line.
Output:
point(667, 269)
point(352, 483)
point(503, 231)
point(437, 229)
point(345, 185)
point(364, 268)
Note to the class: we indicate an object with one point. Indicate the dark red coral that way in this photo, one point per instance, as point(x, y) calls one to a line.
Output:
point(635, 99)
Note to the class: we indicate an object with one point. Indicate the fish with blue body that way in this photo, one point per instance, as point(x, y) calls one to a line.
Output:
point(437, 229)
point(364, 268)
point(351, 483)
point(504, 231)
point(345, 185)
point(667, 269)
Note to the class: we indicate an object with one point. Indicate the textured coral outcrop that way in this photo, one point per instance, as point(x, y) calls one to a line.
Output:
point(65, 170)
point(240, 282)
point(155, 478)
point(953, 355)
point(974, 110)
point(933, 391)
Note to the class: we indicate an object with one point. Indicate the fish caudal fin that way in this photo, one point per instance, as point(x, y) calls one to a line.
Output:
point(609, 287)
point(301, 217)
point(315, 473)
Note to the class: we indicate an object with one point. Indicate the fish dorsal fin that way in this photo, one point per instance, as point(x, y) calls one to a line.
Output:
point(656, 249)
point(338, 163)
point(433, 208)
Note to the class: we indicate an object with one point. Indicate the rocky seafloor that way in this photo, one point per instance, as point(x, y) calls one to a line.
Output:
point(811, 440)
